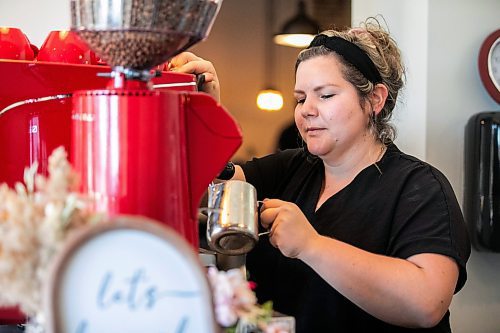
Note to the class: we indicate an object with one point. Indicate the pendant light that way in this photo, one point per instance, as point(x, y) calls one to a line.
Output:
point(299, 31)
point(269, 99)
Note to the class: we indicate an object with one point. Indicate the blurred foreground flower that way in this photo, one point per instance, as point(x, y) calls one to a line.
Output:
point(236, 304)
point(35, 218)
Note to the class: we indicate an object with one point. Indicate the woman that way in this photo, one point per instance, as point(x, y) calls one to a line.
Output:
point(363, 238)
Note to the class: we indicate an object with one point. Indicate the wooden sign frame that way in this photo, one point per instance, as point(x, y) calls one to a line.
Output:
point(79, 249)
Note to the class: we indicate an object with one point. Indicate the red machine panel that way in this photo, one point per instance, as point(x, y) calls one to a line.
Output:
point(35, 108)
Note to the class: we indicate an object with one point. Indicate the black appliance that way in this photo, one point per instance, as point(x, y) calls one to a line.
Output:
point(482, 180)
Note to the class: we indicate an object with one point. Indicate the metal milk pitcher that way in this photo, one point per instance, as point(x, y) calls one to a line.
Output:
point(232, 224)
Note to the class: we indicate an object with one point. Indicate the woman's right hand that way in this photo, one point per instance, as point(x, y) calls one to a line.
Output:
point(187, 62)
point(290, 231)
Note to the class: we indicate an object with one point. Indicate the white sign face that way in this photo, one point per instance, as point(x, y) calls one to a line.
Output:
point(129, 280)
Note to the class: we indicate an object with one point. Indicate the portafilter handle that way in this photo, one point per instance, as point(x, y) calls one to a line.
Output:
point(200, 82)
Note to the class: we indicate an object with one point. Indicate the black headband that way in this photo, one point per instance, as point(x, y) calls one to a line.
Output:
point(351, 53)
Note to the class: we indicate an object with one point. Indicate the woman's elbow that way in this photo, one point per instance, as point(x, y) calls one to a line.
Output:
point(431, 314)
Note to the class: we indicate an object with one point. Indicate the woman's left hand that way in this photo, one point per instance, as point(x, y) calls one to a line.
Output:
point(188, 62)
point(290, 231)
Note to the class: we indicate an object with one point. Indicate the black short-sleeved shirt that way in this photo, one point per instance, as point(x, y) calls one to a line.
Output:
point(407, 209)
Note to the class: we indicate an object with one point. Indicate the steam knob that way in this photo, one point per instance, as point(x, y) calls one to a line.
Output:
point(228, 172)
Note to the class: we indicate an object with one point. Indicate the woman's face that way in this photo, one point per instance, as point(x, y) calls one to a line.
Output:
point(328, 112)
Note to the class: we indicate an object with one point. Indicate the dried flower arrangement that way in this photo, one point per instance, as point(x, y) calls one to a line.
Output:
point(35, 218)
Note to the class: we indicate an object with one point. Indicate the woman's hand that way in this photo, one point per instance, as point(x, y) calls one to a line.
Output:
point(291, 232)
point(188, 62)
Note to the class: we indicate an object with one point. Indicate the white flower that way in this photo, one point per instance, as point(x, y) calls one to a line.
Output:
point(232, 296)
point(225, 315)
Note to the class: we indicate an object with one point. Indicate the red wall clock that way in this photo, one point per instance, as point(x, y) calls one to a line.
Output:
point(489, 64)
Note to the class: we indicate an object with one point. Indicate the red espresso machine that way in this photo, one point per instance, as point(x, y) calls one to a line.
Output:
point(142, 151)
point(143, 144)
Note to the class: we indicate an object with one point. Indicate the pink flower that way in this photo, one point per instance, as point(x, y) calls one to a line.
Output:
point(232, 296)
point(252, 285)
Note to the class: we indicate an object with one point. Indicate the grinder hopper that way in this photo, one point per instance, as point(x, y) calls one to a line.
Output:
point(141, 151)
point(140, 34)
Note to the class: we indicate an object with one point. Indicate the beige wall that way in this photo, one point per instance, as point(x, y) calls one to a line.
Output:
point(236, 46)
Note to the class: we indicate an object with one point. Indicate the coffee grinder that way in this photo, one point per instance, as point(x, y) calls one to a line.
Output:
point(141, 151)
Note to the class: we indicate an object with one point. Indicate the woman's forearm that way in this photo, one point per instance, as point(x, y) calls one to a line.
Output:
point(413, 293)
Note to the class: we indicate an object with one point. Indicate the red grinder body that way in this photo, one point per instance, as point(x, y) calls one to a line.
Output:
point(150, 153)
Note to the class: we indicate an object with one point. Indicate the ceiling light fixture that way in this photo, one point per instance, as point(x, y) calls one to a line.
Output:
point(269, 99)
point(299, 31)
